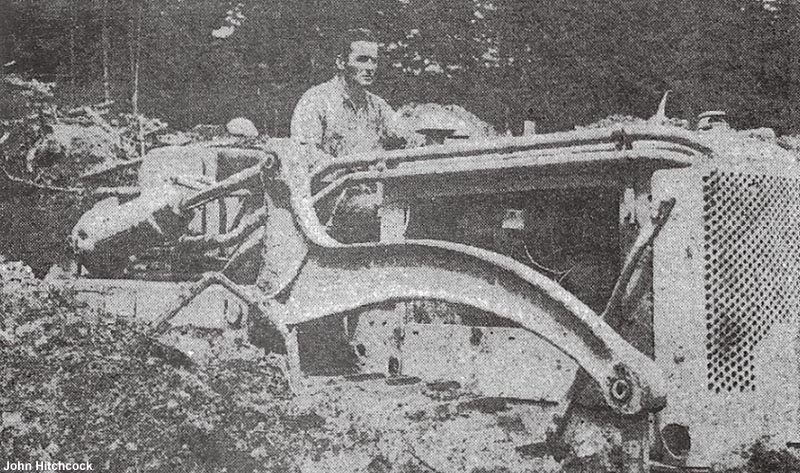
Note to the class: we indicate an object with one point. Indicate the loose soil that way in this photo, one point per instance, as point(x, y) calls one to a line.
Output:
point(79, 385)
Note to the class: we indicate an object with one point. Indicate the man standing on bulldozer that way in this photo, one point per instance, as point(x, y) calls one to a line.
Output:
point(341, 117)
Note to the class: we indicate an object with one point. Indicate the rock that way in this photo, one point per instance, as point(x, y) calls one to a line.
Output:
point(241, 127)
point(413, 117)
point(15, 271)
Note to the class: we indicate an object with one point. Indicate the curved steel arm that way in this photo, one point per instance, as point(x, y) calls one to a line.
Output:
point(336, 278)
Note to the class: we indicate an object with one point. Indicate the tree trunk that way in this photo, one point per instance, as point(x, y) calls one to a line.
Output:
point(73, 25)
point(131, 61)
point(106, 46)
point(135, 48)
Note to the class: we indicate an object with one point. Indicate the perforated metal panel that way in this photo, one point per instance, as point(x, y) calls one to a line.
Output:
point(726, 299)
point(751, 240)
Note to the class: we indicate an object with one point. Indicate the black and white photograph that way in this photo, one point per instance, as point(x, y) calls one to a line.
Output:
point(400, 236)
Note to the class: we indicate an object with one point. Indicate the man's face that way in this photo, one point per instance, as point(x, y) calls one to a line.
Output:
point(361, 63)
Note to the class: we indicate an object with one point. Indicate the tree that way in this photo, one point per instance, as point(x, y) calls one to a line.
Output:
point(564, 61)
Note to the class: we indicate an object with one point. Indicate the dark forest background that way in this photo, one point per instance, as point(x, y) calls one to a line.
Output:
point(560, 62)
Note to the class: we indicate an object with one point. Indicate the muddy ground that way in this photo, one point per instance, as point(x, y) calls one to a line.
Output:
point(84, 386)
point(79, 385)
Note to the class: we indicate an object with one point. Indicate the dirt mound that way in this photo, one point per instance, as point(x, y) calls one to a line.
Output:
point(16, 272)
point(83, 386)
point(71, 149)
point(416, 116)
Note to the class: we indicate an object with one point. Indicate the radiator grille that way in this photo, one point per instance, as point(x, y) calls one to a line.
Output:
point(752, 266)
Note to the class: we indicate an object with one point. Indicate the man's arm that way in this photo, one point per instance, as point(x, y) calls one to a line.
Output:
point(397, 134)
point(393, 134)
point(308, 124)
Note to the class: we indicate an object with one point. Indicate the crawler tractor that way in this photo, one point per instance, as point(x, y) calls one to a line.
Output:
point(639, 281)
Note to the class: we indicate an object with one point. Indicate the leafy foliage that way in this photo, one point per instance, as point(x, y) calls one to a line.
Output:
point(561, 62)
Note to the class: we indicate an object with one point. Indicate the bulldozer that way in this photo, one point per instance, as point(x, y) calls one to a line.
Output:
point(639, 281)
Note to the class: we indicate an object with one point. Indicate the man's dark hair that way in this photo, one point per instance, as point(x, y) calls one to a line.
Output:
point(351, 36)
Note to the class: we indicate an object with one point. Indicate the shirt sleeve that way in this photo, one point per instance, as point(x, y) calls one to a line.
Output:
point(308, 124)
point(389, 119)
point(396, 129)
